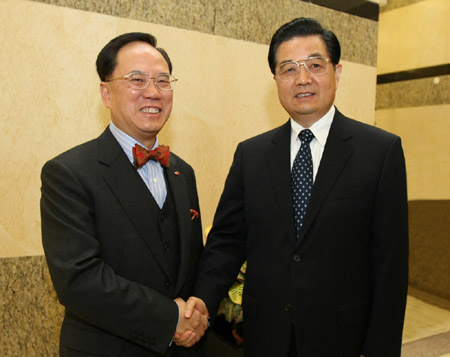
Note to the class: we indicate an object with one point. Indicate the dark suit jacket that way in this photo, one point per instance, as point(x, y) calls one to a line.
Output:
point(341, 287)
point(105, 256)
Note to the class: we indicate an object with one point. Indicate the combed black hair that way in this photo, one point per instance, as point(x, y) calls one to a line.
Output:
point(302, 27)
point(107, 58)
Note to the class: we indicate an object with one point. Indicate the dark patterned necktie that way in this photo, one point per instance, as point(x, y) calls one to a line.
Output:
point(142, 155)
point(302, 178)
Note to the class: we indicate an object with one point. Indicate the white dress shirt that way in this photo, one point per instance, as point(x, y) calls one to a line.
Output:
point(320, 129)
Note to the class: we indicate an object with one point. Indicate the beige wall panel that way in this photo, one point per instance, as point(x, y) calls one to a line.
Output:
point(414, 36)
point(356, 92)
point(424, 132)
point(50, 102)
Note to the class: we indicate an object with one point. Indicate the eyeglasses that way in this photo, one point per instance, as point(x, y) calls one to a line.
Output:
point(141, 80)
point(314, 65)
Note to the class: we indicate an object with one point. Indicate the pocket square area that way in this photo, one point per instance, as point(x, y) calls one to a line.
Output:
point(194, 214)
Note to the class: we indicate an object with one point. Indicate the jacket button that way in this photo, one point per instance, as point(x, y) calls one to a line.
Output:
point(296, 258)
point(288, 307)
point(162, 218)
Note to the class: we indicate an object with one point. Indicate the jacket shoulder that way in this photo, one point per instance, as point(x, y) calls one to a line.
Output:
point(273, 135)
point(363, 131)
point(85, 156)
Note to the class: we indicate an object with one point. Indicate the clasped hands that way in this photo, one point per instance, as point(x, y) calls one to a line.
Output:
point(193, 321)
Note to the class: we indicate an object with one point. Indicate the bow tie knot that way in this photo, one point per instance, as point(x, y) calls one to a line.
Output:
point(142, 155)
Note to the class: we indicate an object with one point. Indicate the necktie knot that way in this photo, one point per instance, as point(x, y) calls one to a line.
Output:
point(306, 136)
point(142, 155)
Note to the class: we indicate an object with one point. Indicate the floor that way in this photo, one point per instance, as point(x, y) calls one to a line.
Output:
point(427, 330)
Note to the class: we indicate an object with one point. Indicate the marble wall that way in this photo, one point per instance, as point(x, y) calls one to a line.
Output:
point(50, 102)
point(30, 312)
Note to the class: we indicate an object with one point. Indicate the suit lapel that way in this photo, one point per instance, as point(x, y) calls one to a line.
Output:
point(278, 160)
point(131, 192)
point(176, 182)
point(336, 154)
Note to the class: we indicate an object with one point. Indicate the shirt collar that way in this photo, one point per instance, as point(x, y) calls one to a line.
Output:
point(320, 128)
point(127, 142)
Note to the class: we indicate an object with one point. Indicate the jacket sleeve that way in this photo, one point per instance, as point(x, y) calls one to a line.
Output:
point(389, 256)
point(224, 252)
point(84, 283)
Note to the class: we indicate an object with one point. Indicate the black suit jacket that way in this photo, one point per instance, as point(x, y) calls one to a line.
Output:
point(105, 256)
point(342, 287)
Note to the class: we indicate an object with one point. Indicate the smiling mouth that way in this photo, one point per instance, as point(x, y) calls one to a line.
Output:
point(150, 110)
point(303, 95)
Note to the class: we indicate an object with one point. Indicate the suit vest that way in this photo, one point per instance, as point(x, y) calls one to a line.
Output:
point(169, 236)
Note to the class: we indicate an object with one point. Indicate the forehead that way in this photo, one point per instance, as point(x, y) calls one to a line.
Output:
point(140, 56)
point(301, 47)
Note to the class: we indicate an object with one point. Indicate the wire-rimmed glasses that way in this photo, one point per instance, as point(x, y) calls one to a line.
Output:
point(137, 80)
point(315, 65)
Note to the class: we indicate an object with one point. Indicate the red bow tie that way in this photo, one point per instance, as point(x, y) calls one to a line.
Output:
point(142, 155)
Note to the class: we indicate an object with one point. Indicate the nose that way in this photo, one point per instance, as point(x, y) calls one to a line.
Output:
point(152, 90)
point(303, 76)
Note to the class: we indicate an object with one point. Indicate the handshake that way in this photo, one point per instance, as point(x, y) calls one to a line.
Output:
point(193, 321)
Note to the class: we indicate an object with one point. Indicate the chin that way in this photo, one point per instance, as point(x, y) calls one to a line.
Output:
point(305, 111)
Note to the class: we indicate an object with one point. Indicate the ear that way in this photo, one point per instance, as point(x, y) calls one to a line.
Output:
point(106, 94)
point(337, 73)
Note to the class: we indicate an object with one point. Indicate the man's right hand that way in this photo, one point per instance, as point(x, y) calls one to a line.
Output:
point(193, 321)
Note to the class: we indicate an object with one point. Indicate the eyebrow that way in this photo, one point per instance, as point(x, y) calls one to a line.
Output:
point(136, 71)
point(312, 55)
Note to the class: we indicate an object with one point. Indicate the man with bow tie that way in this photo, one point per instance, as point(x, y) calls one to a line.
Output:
point(120, 220)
